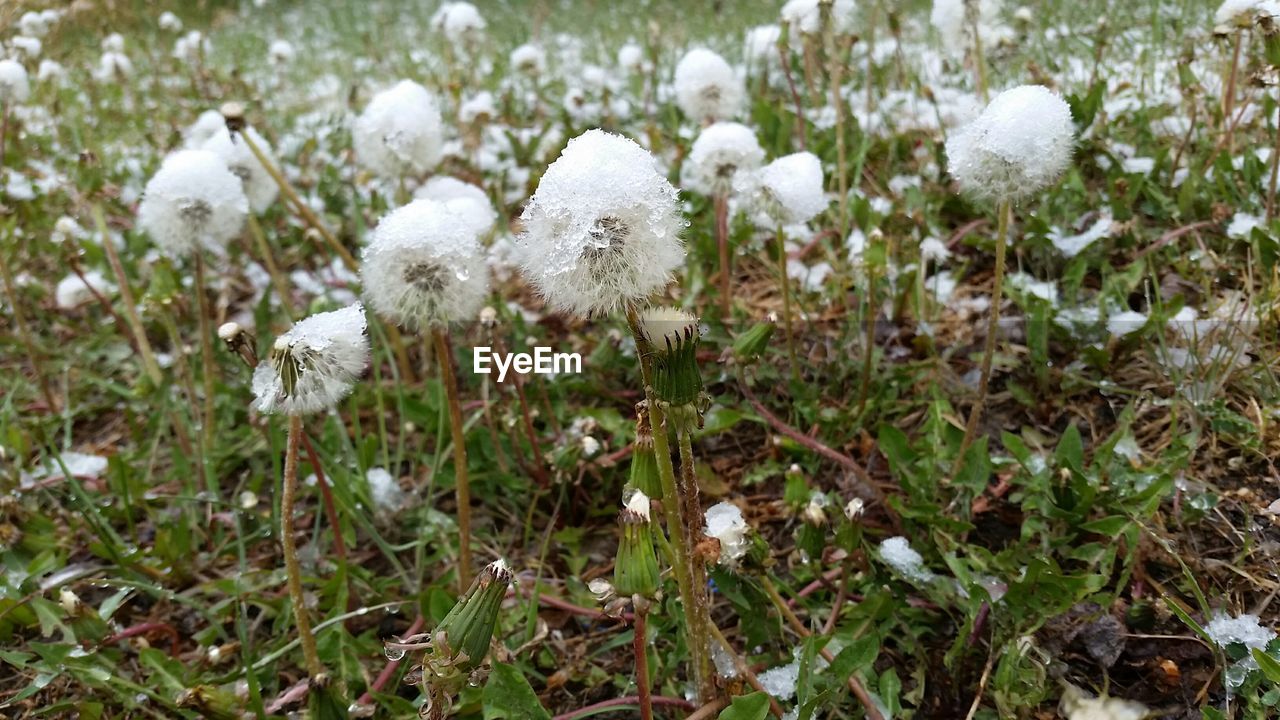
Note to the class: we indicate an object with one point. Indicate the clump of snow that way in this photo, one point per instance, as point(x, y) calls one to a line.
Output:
point(726, 524)
point(1242, 224)
point(780, 682)
point(1072, 245)
point(898, 554)
point(385, 491)
point(73, 291)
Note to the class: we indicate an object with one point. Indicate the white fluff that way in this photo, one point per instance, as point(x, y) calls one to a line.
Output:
point(424, 267)
point(761, 45)
point(1018, 146)
point(898, 554)
point(463, 199)
point(726, 524)
point(30, 46)
point(529, 59)
point(1076, 705)
point(603, 227)
point(169, 21)
point(399, 132)
point(14, 86)
point(259, 186)
point(281, 52)
point(51, 71)
point(806, 15)
point(631, 58)
point(32, 23)
point(706, 87)
point(459, 21)
point(198, 133)
point(480, 106)
point(113, 66)
point(329, 351)
point(384, 490)
point(72, 292)
point(719, 154)
point(788, 189)
point(1244, 12)
point(192, 202)
point(951, 20)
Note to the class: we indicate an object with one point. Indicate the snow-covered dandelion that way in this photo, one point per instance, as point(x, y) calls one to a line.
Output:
point(460, 22)
point(259, 187)
point(465, 200)
point(192, 204)
point(400, 132)
point(603, 228)
point(720, 152)
point(707, 88)
point(14, 85)
point(314, 365)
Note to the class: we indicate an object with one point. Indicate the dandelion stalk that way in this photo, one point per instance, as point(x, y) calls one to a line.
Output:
point(640, 647)
point(1275, 170)
point(206, 351)
point(24, 332)
point(149, 363)
point(722, 244)
point(1229, 97)
point(993, 325)
point(786, 303)
point(269, 260)
point(462, 487)
point(972, 14)
point(293, 570)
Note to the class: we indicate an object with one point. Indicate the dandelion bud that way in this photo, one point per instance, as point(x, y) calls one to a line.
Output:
point(467, 629)
point(706, 87)
point(673, 337)
point(726, 524)
point(603, 228)
point(314, 365)
point(488, 317)
point(14, 86)
point(635, 571)
point(751, 344)
point(400, 132)
point(233, 114)
point(721, 151)
point(788, 189)
point(1018, 146)
point(239, 342)
point(423, 267)
point(644, 464)
point(69, 601)
point(854, 509)
point(192, 203)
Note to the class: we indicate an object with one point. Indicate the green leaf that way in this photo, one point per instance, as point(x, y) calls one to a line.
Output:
point(1070, 450)
point(857, 656)
point(747, 707)
point(509, 695)
point(1269, 665)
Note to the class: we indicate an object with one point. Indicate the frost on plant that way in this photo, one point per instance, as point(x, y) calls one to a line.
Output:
point(314, 365)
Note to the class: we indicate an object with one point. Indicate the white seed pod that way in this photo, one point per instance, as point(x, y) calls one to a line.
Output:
point(459, 22)
point(170, 22)
point(463, 199)
point(32, 23)
point(760, 47)
point(720, 152)
point(707, 87)
point(314, 365)
point(529, 59)
point(191, 47)
point(14, 86)
point(259, 186)
point(1242, 13)
point(30, 46)
point(193, 202)
point(1018, 146)
point(726, 524)
point(789, 189)
point(399, 132)
point(631, 58)
point(281, 52)
point(480, 107)
point(806, 15)
point(424, 267)
point(603, 227)
point(113, 66)
point(113, 43)
point(51, 71)
point(952, 19)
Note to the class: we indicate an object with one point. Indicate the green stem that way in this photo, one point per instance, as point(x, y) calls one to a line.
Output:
point(698, 571)
point(786, 304)
point(206, 352)
point(993, 327)
point(292, 568)
point(462, 485)
point(149, 363)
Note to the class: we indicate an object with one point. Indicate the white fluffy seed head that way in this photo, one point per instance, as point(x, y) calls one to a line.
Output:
point(1242, 13)
point(424, 267)
point(210, 123)
point(399, 132)
point(259, 186)
point(788, 189)
point(113, 67)
point(281, 52)
point(459, 22)
point(169, 21)
point(14, 86)
point(955, 21)
point(314, 365)
point(707, 87)
point(603, 227)
point(192, 203)
point(719, 154)
point(631, 58)
point(806, 15)
point(463, 199)
point(529, 59)
point(761, 45)
point(1017, 147)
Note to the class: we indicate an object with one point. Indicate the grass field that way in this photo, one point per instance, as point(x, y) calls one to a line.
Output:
point(846, 516)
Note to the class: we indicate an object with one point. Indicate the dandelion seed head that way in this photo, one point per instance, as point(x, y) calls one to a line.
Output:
point(14, 86)
point(259, 186)
point(463, 199)
point(720, 152)
point(806, 15)
point(1018, 146)
point(169, 22)
point(789, 189)
point(314, 365)
point(458, 21)
point(424, 267)
point(631, 58)
point(400, 132)
point(192, 203)
point(761, 44)
point(281, 52)
point(529, 59)
point(603, 227)
point(707, 87)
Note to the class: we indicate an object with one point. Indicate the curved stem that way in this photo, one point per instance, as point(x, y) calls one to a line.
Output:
point(989, 349)
point(462, 485)
point(287, 543)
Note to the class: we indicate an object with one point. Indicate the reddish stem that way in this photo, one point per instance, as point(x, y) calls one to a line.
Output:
point(149, 627)
point(384, 677)
point(658, 700)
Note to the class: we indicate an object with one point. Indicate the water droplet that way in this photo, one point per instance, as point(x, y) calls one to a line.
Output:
point(393, 653)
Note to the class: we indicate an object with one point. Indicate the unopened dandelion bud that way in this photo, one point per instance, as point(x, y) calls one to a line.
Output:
point(751, 344)
point(488, 317)
point(239, 342)
point(233, 115)
point(673, 339)
point(635, 570)
point(468, 628)
point(644, 464)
